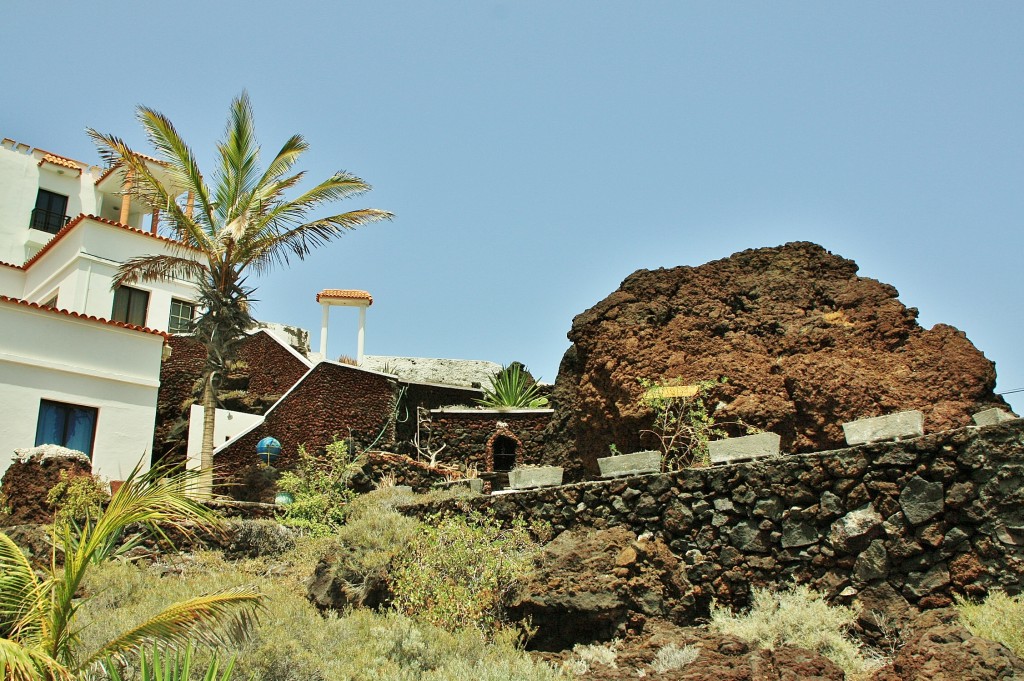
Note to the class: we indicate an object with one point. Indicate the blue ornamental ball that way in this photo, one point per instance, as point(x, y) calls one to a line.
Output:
point(268, 450)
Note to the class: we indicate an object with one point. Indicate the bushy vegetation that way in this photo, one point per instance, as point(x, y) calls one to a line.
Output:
point(998, 618)
point(41, 632)
point(799, 617)
point(293, 641)
point(320, 489)
point(457, 572)
point(76, 497)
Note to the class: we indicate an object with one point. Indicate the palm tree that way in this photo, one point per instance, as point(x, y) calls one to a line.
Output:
point(241, 224)
point(38, 636)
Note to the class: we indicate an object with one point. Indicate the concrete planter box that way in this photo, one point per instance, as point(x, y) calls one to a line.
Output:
point(528, 478)
point(637, 463)
point(745, 447)
point(475, 485)
point(896, 426)
point(989, 417)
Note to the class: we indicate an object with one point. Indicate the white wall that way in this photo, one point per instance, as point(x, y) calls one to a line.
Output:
point(226, 425)
point(83, 263)
point(49, 355)
point(21, 177)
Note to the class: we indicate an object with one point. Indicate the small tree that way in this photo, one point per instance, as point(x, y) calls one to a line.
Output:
point(242, 223)
point(682, 424)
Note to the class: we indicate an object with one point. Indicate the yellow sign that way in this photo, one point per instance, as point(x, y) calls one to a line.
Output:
point(668, 391)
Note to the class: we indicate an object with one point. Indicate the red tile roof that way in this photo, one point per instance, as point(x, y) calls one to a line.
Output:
point(78, 315)
point(60, 161)
point(78, 220)
point(347, 294)
point(7, 264)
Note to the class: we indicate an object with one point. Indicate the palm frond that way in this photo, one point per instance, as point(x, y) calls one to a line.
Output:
point(19, 590)
point(239, 161)
point(274, 249)
point(158, 268)
point(215, 619)
point(184, 168)
point(289, 154)
point(20, 663)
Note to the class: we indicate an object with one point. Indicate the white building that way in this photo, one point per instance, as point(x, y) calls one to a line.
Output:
point(79, 360)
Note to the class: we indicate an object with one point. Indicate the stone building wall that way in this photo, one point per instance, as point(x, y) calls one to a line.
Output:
point(331, 400)
point(271, 369)
point(921, 519)
point(470, 435)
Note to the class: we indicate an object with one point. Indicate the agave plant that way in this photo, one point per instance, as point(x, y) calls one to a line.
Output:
point(38, 635)
point(512, 388)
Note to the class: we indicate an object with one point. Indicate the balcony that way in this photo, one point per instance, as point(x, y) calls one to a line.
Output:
point(48, 220)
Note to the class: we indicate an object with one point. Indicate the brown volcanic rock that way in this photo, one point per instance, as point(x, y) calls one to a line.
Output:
point(941, 649)
point(805, 343)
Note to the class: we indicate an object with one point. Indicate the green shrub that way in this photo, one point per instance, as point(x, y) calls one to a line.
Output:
point(320, 488)
point(458, 571)
point(293, 642)
point(799, 617)
point(998, 618)
point(77, 497)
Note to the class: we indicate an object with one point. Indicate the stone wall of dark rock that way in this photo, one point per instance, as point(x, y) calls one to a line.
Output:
point(333, 400)
point(27, 483)
point(469, 435)
point(804, 342)
point(920, 520)
point(270, 369)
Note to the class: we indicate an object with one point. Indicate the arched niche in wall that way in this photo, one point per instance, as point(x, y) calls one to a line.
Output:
point(503, 451)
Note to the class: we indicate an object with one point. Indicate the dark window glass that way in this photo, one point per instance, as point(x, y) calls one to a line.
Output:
point(49, 214)
point(130, 305)
point(181, 316)
point(67, 425)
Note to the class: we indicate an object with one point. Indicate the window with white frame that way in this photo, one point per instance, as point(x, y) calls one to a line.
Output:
point(67, 425)
point(182, 313)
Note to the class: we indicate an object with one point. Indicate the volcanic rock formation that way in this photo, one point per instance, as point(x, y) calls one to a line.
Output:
point(805, 344)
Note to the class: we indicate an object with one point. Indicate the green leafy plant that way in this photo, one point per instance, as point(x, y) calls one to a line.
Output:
point(458, 571)
point(320, 489)
point(76, 497)
point(39, 634)
point(512, 388)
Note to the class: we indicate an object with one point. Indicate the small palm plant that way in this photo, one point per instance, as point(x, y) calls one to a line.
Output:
point(513, 388)
point(39, 639)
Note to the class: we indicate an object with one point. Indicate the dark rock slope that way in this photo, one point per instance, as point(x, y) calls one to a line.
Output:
point(804, 342)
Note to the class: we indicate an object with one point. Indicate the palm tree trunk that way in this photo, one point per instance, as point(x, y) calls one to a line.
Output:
point(205, 487)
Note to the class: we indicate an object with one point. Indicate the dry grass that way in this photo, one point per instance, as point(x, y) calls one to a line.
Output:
point(799, 617)
point(998, 618)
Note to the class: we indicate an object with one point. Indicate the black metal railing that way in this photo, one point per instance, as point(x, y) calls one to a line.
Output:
point(48, 220)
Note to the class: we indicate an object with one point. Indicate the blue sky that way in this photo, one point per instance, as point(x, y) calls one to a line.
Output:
point(537, 153)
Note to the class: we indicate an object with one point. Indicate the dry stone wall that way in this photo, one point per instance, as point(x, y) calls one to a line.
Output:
point(469, 435)
point(920, 520)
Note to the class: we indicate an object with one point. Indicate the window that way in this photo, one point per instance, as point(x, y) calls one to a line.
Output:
point(130, 305)
point(67, 425)
point(181, 316)
point(49, 213)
